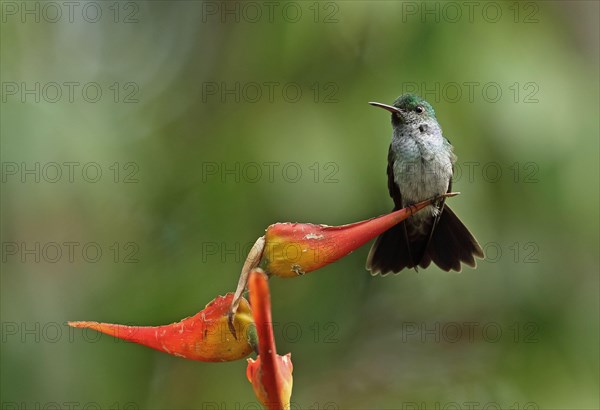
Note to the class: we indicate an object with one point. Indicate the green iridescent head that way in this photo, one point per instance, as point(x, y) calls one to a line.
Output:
point(409, 109)
point(412, 102)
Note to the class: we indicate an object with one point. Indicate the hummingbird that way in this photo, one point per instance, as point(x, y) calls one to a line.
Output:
point(420, 166)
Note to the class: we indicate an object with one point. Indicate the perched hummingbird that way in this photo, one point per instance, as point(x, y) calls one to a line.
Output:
point(420, 166)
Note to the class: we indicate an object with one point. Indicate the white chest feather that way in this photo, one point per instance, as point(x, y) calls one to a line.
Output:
point(423, 166)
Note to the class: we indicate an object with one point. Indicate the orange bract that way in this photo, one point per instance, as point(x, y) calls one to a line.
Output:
point(293, 249)
point(204, 336)
point(270, 374)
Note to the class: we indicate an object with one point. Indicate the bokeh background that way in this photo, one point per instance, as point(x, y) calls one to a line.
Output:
point(185, 97)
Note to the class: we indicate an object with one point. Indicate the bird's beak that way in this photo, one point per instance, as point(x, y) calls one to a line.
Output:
point(389, 108)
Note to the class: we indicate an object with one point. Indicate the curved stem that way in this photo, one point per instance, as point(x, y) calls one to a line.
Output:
point(252, 261)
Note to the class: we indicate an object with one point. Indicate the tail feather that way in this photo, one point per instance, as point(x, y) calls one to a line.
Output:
point(450, 245)
point(390, 252)
point(453, 244)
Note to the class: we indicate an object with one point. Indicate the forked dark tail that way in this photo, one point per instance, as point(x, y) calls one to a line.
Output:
point(450, 245)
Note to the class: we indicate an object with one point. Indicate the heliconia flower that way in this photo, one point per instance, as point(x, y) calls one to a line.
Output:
point(293, 249)
point(284, 367)
point(270, 374)
point(206, 336)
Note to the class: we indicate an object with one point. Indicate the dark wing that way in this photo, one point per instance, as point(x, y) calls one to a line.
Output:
point(392, 186)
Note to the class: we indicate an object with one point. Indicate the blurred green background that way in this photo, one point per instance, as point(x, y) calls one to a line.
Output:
point(197, 97)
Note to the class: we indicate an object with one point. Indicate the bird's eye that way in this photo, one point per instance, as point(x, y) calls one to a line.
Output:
point(419, 109)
